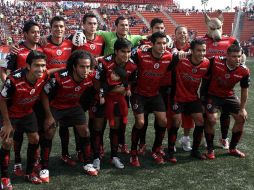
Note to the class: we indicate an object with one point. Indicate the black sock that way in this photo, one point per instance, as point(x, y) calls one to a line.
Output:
point(172, 136)
point(46, 146)
point(197, 137)
point(17, 142)
point(209, 140)
point(30, 157)
point(235, 139)
point(113, 135)
point(64, 136)
point(86, 149)
point(159, 136)
point(224, 124)
point(4, 161)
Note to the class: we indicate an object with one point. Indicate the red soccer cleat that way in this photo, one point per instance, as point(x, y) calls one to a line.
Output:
point(123, 148)
point(171, 158)
point(32, 178)
point(236, 152)
point(18, 171)
point(158, 158)
point(210, 154)
point(197, 154)
point(142, 149)
point(6, 184)
point(134, 161)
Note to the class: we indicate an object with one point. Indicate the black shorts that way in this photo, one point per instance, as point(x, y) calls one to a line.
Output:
point(87, 98)
point(26, 124)
point(69, 117)
point(142, 104)
point(227, 105)
point(187, 107)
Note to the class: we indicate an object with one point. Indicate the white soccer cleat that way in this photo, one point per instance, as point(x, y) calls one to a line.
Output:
point(117, 163)
point(185, 143)
point(224, 143)
point(44, 175)
point(90, 170)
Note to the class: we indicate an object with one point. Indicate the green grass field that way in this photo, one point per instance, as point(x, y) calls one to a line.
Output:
point(225, 172)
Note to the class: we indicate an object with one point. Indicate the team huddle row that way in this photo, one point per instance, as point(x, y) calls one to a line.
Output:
point(54, 80)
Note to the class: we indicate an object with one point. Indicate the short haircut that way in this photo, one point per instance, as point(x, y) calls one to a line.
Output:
point(34, 55)
point(75, 56)
point(198, 41)
point(122, 43)
point(157, 35)
point(180, 26)
point(88, 15)
point(28, 25)
point(56, 19)
point(118, 19)
point(155, 21)
point(234, 48)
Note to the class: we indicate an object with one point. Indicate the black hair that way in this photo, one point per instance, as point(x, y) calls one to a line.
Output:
point(180, 26)
point(88, 15)
point(118, 19)
point(28, 25)
point(197, 41)
point(33, 55)
point(155, 21)
point(234, 48)
point(56, 19)
point(121, 72)
point(157, 35)
point(75, 56)
point(122, 43)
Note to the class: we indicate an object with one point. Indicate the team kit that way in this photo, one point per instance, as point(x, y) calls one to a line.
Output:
point(51, 82)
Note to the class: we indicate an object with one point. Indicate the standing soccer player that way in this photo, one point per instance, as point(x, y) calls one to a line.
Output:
point(186, 76)
point(225, 74)
point(21, 90)
point(66, 87)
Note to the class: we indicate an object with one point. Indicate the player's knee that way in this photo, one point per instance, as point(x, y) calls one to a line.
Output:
point(139, 123)
point(162, 122)
point(211, 120)
point(7, 144)
point(33, 139)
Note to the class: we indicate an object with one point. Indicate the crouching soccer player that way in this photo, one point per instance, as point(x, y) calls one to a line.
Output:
point(66, 86)
point(21, 90)
point(225, 74)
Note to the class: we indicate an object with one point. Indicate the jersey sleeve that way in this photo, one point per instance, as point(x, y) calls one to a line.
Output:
point(8, 89)
point(245, 81)
point(11, 63)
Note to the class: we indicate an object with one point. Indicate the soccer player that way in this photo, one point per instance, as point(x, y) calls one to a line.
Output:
point(121, 58)
point(31, 31)
point(225, 74)
point(21, 90)
point(66, 87)
point(187, 74)
point(152, 66)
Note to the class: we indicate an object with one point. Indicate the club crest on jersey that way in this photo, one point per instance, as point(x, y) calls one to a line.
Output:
point(227, 76)
point(92, 47)
point(77, 88)
point(59, 52)
point(135, 106)
point(32, 91)
point(194, 70)
point(156, 66)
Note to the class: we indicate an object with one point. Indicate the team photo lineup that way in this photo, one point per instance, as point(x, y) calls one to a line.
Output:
point(91, 80)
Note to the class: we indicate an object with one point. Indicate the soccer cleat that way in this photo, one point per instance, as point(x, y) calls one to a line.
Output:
point(68, 160)
point(158, 158)
point(90, 170)
point(18, 171)
point(44, 176)
point(161, 152)
point(80, 156)
point(142, 149)
point(97, 164)
point(32, 178)
point(210, 154)
point(171, 158)
point(197, 154)
point(134, 161)
point(185, 143)
point(224, 143)
point(6, 184)
point(117, 163)
point(236, 152)
point(123, 148)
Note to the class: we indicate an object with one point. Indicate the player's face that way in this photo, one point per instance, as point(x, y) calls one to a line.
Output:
point(58, 29)
point(123, 55)
point(123, 27)
point(90, 26)
point(37, 68)
point(234, 59)
point(33, 35)
point(82, 69)
point(159, 27)
point(159, 47)
point(198, 53)
point(182, 35)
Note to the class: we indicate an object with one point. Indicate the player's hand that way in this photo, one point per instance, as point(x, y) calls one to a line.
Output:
point(183, 54)
point(79, 39)
point(49, 123)
point(243, 113)
point(102, 100)
point(6, 131)
point(14, 49)
point(145, 47)
point(128, 92)
point(43, 41)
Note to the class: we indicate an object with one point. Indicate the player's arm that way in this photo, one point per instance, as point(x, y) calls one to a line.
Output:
point(11, 65)
point(244, 83)
point(174, 61)
point(6, 92)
